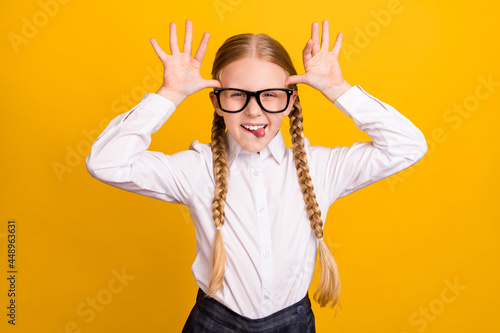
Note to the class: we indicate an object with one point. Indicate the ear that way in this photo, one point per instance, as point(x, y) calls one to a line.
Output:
point(290, 105)
point(213, 98)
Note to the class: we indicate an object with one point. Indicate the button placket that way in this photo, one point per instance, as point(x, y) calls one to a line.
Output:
point(264, 234)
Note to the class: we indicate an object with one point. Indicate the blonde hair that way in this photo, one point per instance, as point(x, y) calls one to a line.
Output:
point(266, 48)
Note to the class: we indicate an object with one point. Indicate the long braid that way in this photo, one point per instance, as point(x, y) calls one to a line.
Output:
point(329, 285)
point(218, 259)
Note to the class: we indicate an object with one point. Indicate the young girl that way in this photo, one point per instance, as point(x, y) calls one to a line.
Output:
point(256, 204)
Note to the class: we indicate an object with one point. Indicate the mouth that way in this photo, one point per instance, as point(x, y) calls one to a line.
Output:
point(257, 130)
point(253, 127)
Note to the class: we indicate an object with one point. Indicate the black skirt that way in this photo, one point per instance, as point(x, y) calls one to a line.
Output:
point(210, 316)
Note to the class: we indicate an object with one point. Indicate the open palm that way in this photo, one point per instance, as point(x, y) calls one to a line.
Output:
point(181, 74)
point(322, 69)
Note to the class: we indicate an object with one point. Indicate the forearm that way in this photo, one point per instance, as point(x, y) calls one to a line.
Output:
point(336, 91)
point(391, 132)
point(396, 144)
point(172, 96)
point(128, 134)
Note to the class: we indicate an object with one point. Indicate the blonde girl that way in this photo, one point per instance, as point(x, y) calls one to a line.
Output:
point(257, 206)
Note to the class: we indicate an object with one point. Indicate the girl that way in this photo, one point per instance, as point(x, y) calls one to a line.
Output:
point(256, 204)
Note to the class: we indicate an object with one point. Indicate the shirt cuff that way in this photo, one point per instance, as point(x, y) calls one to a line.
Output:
point(350, 101)
point(154, 101)
point(154, 106)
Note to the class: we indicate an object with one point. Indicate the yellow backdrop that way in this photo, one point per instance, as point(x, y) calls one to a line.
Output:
point(417, 252)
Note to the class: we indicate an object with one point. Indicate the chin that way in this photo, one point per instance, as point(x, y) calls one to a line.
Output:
point(254, 149)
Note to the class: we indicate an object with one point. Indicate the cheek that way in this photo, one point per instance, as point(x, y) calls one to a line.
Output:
point(231, 121)
point(276, 120)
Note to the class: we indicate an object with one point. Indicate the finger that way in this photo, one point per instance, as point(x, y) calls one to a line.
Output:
point(338, 44)
point(188, 38)
point(325, 41)
point(306, 54)
point(294, 79)
point(202, 48)
point(315, 38)
point(159, 52)
point(174, 47)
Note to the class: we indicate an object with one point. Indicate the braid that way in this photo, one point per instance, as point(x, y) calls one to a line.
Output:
point(329, 285)
point(218, 259)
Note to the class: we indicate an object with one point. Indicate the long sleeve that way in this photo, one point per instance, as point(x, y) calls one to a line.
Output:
point(396, 144)
point(119, 156)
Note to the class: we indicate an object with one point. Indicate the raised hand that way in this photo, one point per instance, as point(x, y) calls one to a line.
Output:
point(181, 76)
point(322, 69)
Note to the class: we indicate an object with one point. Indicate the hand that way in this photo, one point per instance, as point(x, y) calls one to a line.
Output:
point(181, 76)
point(322, 67)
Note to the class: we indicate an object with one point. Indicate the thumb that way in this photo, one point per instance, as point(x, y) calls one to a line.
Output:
point(211, 84)
point(294, 79)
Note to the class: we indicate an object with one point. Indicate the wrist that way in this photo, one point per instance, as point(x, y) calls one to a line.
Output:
point(335, 91)
point(171, 95)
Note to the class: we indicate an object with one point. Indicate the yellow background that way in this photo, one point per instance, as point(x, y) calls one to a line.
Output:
point(401, 244)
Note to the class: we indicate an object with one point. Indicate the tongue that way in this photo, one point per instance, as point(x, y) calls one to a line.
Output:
point(259, 132)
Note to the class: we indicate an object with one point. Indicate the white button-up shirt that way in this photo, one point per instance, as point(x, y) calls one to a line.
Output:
point(270, 246)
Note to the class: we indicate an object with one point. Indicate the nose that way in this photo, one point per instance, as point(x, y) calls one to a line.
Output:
point(253, 109)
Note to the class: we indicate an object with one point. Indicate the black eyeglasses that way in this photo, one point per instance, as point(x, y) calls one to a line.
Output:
point(272, 100)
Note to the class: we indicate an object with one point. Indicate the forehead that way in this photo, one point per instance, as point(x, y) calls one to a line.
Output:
point(253, 74)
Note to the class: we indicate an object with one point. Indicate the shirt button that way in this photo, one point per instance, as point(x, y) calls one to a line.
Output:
point(256, 173)
point(301, 310)
point(267, 253)
point(267, 296)
point(262, 210)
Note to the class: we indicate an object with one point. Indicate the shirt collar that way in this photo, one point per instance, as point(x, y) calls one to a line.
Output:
point(276, 148)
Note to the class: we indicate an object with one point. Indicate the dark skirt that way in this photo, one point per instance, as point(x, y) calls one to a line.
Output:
point(208, 315)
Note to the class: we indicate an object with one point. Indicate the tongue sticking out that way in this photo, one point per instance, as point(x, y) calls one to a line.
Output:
point(259, 132)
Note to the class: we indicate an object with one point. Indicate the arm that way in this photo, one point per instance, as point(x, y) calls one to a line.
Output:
point(119, 156)
point(396, 145)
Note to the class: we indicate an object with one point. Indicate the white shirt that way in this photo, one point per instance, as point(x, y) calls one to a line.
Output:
point(270, 245)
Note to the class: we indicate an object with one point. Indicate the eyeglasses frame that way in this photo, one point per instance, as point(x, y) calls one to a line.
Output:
point(249, 95)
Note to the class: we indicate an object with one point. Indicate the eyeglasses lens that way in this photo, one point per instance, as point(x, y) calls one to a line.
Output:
point(271, 100)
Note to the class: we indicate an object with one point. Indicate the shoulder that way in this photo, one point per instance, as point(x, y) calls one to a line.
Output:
point(316, 155)
point(194, 164)
point(311, 150)
point(319, 156)
point(196, 156)
point(316, 151)
point(201, 148)
point(203, 153)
